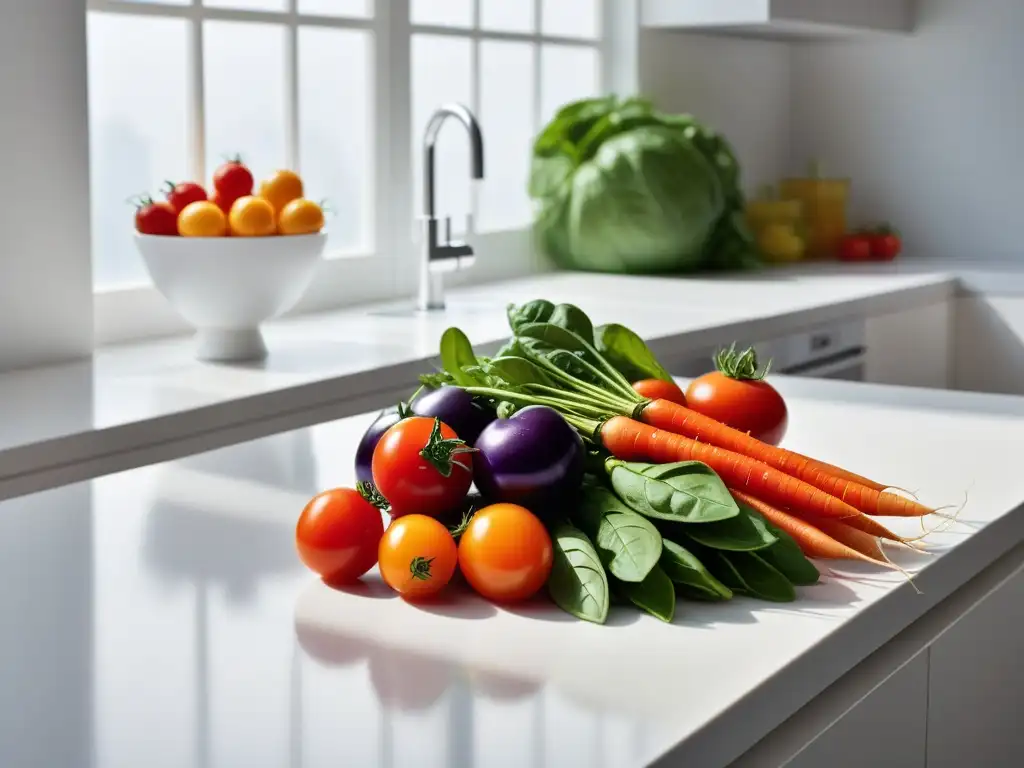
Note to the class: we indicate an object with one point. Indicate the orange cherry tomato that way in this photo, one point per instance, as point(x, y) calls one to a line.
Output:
point(281, 188)
point(659, 389)
point(202, 219)
point(505, 553)
point(300, 217)
point(252, 217)
point(417, 556)
point(338, 534)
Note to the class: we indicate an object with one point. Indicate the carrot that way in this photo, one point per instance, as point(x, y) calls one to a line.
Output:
point(812, 540)
point(865, 495)
point(855, 539)
point(631, 440)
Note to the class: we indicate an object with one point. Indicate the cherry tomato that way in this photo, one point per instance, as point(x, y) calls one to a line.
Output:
point(223, 202)
point(505, 553)
point(252, 217)
point(281, 188)
point(659, 389)
point(233, 180)
point(417, 556)
point(737, 396)
point(181, 195)
point(155, 218)
point(300, 217)
point(885, 245)
point(338, 534)
point(420, 466)
point(855, 247)
point(202, 219)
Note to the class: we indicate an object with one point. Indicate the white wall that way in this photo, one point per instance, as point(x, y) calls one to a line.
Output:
point(740, 87)
point(929, 127)
point(44, 200)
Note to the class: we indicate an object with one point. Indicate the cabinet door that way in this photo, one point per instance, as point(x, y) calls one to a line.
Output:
point(976, 685)
point(989, 352)
point(910, 348)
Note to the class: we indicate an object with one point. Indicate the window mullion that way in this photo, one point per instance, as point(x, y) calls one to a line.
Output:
point(474, 105)
point(197, 86)
point(538, 117)
point(292, 88)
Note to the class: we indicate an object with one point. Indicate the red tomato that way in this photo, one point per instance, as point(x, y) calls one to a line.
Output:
point(417, 556)
point(505, 553)
point(659, 389)
point(855, 247)
point(421, 466)
point(155, 218)
point(751, 406)
point(182, 195)
point(338, 534)
point(885, 246)
point(223, 202)
point(233, 180)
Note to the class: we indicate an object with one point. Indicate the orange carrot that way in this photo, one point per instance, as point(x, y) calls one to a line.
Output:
point(864, 495)
point(855, 539)
point(631, 440)
point(812, 540)
point(873, 528)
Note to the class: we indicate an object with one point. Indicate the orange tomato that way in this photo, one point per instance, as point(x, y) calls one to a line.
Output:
point(338, 534)
point(417, 556)
point(281, 188)
point(300, 217)
point(505, 553)
point(202, 219)
point(252, 217)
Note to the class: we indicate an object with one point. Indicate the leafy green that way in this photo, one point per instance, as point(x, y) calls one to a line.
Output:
point(628, 545)
point(655, 594)
point(456, 355)
point(786, 556)
point(684, 568)
point(629, 353)
point(621, 187)
point(517, 371)
point(687, 491)
point(742, 533)
point(753, 575)
point(578, 583)
point(574, 319)
point(537, 311)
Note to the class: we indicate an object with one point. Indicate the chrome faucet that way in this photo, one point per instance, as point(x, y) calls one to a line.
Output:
point(440, 257)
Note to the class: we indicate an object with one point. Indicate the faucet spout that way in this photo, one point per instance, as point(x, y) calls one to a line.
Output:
point(476, 149)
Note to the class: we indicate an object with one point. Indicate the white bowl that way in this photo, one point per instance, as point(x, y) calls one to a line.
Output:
point(226, 286)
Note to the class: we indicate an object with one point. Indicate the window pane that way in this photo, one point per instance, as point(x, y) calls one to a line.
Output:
point(245, 94)
point(360, 8)
point(138, 129)
point(507, 15)
point(571, 18)
point(441, 73)
point(442, 13)
point(506, 110)
point(249, 5)
point(335, 121)
point(568, 73)
point(161, 2)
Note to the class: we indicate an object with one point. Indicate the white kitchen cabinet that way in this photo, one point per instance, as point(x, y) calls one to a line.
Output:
point(910, 347)
point(989, 344)
point(976, 685)
point(781, 18)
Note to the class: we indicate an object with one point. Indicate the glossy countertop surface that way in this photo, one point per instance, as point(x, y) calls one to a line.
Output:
point(160, 617)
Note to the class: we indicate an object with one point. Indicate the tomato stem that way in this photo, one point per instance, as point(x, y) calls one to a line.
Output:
point(741, 366)
point(441, 452)
point(419, 567)
point(369, 492)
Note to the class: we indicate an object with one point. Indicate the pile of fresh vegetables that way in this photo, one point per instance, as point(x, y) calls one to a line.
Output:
point(621, 187)
point(597, 476)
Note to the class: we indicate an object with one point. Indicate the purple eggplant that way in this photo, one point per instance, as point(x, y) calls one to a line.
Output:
point(456, 408)
point(534, 458)
point(364, 452)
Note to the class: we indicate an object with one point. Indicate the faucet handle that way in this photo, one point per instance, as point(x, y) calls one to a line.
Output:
point(447, 229)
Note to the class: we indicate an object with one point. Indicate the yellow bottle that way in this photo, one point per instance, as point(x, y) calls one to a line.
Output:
point(777, 226)
point(824, 203)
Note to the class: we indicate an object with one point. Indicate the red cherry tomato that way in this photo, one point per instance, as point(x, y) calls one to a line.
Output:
point(505, 553)
point(338, 534)
point(420, 466)
point(155, 218)
point(659, 389)
point(233, 180)
point(737, 395)
point(180, 196)
point(885, 245)
point(855, 247)
point(417, 556)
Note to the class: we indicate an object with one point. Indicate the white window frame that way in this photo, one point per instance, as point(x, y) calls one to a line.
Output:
point(124, 314)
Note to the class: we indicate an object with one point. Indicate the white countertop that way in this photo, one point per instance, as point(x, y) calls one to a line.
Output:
point(138, 404)
point(160, 617)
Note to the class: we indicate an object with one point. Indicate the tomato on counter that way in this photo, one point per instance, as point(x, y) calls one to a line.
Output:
point(505, 553)
point(855, 247)
point(417, 556)
point(885, 242)
point(338, 534)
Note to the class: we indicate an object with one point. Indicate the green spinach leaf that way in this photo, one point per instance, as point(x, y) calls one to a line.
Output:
point(690, 592)
point(684, 568)
point(749, 574)
point(578, 583)
point(574, 319)
point(629, 353)
point(686, 492)
point(786, 556)
point(742, 533)
point(656, 594)
point(457, 355)
point(517, 371)
point(628, 545)
point(538, 311)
